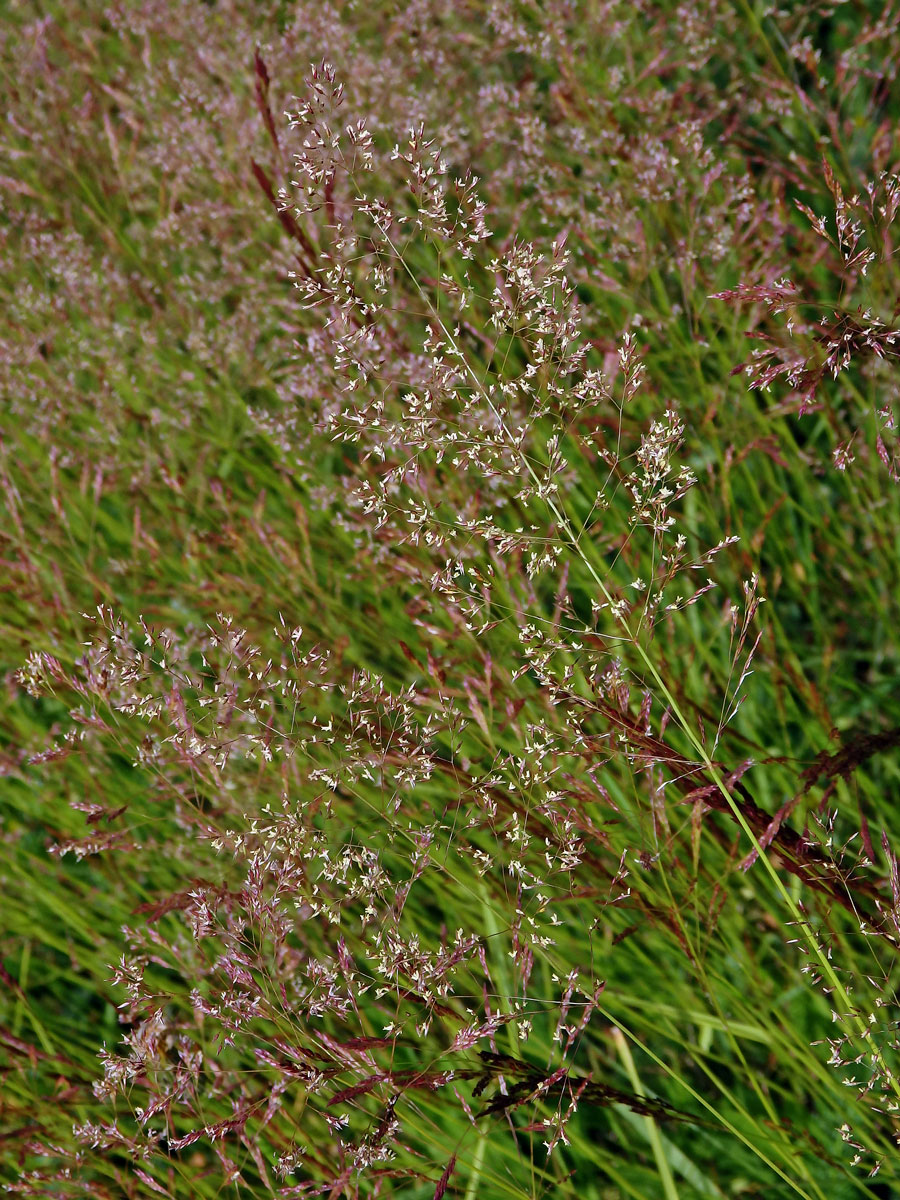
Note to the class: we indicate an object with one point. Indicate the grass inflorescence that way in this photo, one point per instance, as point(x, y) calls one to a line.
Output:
point(450, 563)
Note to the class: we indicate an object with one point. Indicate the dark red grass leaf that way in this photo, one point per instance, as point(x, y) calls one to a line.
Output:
point(358, 1089)
point(409, 656)
point(852, 754)
point(435, 1006)
point(797, 855)
point(181, 900)
point(23, 1131)
point(262, 101)
point(287, 219)
point(401, 1080)
point(105, 814)
point(441, 1188)
point(13, 1043)
point(366, 1043)
point(335, 1187)
point(765, 839)
point(533, 1082)
point(340, 1183)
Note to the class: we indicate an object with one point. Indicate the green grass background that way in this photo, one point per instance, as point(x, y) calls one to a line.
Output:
point(132, 476)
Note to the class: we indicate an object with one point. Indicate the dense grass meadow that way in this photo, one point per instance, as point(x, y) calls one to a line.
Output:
point(450, 599)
